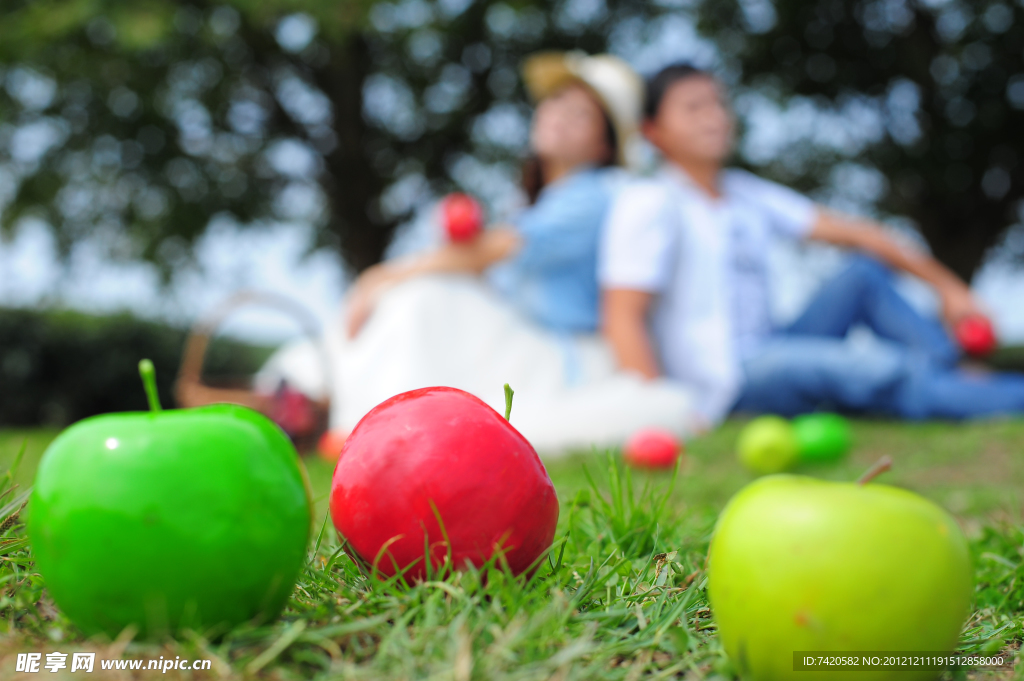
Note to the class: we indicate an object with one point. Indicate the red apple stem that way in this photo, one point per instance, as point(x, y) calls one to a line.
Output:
point(148, 373)
point(509, 392)
point(882, 465)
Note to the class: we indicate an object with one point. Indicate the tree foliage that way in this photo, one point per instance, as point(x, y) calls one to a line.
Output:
point(134, 124)
point(946, 80)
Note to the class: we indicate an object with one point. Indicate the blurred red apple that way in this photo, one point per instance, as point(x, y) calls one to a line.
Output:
point(652, 448)
point(328, 447)
point(976, 336)
point(462, 216)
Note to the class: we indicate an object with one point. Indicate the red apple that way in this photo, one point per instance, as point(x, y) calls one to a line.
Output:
point(440, 455)
point(652, 448)
point(462, 216)
point(975, 335)
point(328, 447)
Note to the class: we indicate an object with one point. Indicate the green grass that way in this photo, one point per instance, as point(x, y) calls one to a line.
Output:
point(625, 601)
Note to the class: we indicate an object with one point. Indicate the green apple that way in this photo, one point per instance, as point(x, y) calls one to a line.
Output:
point(800, 564)
point(822, 437)
point(170, 519)
point(767, 445)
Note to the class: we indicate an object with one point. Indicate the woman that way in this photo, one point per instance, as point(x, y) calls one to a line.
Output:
point(429, 320)
point(548, 257)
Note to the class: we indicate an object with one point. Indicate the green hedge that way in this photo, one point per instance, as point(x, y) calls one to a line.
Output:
point(57, 367)
point(1010, 358)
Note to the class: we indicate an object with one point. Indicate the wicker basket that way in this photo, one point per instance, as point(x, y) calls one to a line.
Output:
point(302, 418)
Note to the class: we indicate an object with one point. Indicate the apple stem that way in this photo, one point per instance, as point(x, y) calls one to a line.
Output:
point(508, 401)
point(882, 465)
point(148, 373)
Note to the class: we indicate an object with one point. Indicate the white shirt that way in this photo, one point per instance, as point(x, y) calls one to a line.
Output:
point(707, 261)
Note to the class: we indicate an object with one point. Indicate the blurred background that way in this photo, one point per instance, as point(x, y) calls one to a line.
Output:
point(157, 156)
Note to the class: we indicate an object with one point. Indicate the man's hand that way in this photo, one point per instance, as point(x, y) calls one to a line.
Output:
point(958, 303)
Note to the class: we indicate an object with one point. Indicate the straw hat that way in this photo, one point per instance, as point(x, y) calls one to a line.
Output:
point(619, 89)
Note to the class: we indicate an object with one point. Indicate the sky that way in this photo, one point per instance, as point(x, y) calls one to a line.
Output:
point(273, 259)
point(277, 259)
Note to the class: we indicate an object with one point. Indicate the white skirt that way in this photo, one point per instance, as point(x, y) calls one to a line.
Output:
point(453, 330)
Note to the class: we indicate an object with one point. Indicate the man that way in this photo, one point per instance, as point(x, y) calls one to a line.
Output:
point(684, 276)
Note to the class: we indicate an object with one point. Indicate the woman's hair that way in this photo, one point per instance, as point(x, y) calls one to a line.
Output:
point(659, 84)
point(532, 170)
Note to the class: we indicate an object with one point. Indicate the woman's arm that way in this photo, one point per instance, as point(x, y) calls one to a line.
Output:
point(957, 300)
point(624, 325)
point(472, 257)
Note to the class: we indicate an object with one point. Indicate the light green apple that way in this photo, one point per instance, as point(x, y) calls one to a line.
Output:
point(800, 564)
point(767, 445)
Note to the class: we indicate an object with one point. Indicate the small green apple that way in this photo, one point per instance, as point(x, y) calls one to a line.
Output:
point(169, 519)
point(822, 437)
point(767, 445)
point(800, 564)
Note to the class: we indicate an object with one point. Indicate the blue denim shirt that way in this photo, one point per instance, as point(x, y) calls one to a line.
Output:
point(553, 278)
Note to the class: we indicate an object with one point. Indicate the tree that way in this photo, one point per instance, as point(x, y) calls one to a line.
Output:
point(945, 78)
point(136, 123)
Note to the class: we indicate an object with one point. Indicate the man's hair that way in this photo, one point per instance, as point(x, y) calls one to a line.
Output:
point(659, 84)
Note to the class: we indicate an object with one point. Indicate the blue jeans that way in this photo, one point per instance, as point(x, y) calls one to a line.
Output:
point(910, 373)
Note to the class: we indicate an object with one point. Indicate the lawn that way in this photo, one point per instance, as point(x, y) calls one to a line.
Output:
point(627, 600)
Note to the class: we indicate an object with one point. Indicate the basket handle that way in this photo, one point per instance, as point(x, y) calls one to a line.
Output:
point(190, 373)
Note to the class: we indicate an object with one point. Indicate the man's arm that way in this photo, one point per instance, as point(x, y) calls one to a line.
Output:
point(867, 236)
point(624, 325)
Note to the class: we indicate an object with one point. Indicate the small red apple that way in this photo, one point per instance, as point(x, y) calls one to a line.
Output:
point(462, 216)
point(440, 455)
point(328, 447)
point(976, 336)
point(652, 448)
